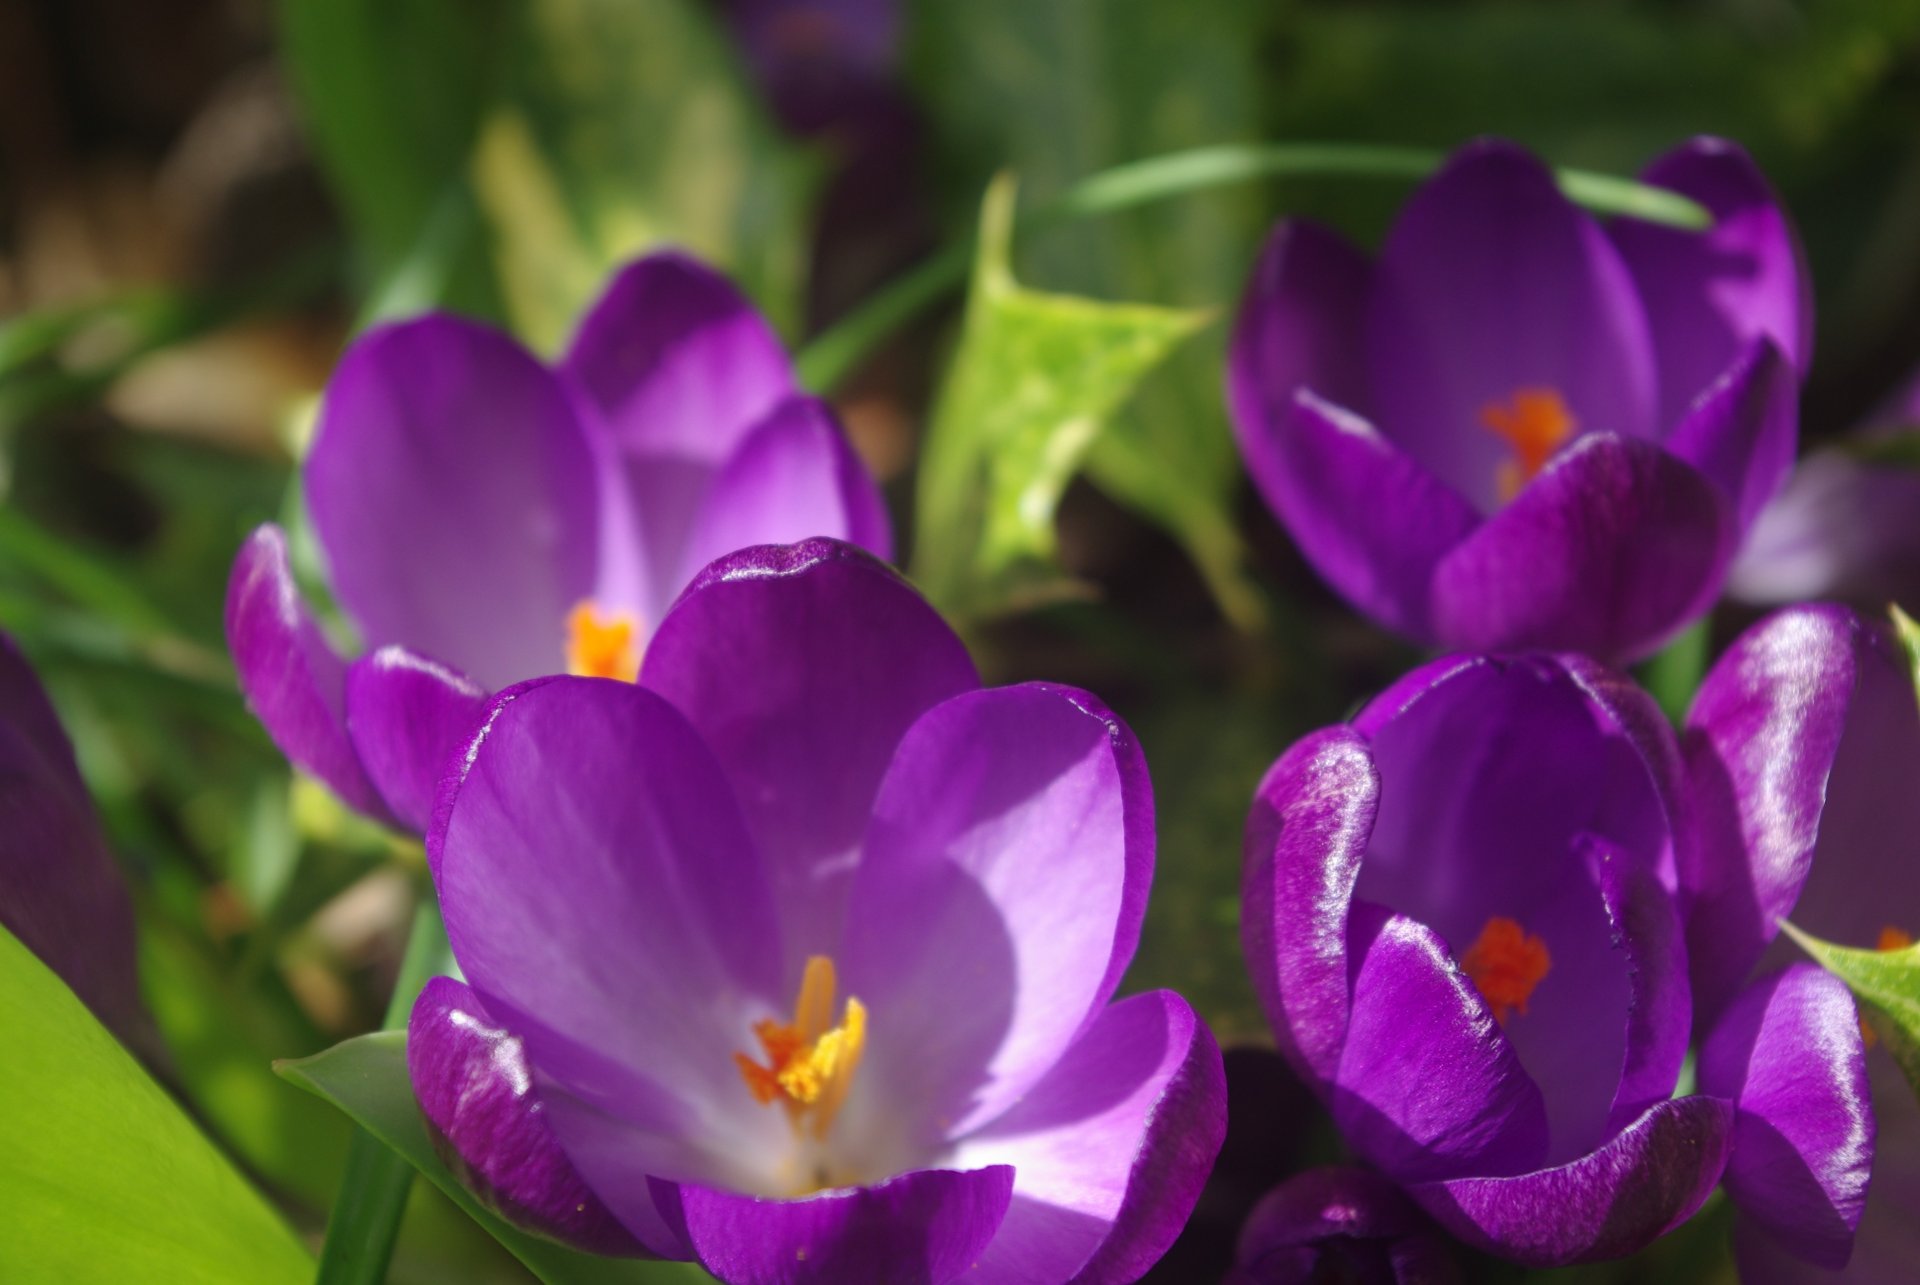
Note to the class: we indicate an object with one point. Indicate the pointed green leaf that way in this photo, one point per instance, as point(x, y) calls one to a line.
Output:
point(1908, 631)
point(1122, 82)
point(1035, 381)
point(105, 1177)
point(1886, 984)
point(366, 1077)
point(622, 126)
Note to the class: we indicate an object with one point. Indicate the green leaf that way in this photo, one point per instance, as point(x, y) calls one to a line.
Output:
point(366, 1077)
point(105, 1178)
point(1908, 631)
point(1036, 379)
point(624, 125)
point(1886, 984)
point(364, 1223)
point(392, 92)
point(1121, 82)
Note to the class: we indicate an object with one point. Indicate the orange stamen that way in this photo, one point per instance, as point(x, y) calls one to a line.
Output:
point(603, 645)
point(1506, 964)
point(1535, 422)
point(1891, 938)
point(810, 1062)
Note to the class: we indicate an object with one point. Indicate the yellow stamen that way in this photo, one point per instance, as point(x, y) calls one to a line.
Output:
point(1891, 938)
point(603, 645)
point(1506, 964)
point(810, 1063)
point(1535, 422)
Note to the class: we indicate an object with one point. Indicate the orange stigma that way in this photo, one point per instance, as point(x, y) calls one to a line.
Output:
point(603, 644)
point(810, 1062)
point(1535, 422)
point(1891, 938)
point(1506, 964)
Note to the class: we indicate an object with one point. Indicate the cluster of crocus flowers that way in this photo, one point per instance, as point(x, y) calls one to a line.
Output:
point(1472, 915)
point(790, 949)
point(797, 957)
point(486, 518)
point(1518, 427)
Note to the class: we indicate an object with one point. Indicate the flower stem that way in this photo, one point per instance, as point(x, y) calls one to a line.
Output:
point(1673, 675)
point(365, 1221)
point(834, 354)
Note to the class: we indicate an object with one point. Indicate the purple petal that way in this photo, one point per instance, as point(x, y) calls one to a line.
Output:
point(1788, 1055)
point(794, 476)
point(820, 62)
point(1521, 789)
point(1365, 513)
point(293, 680)
point(1109, 1150)
point(1860, 881)
point(61, 892)
point(1646, 1181)
point(1428, 1085)
point(1301, 325)
point(1340, 1223)
point(406, 715)
point(998, 898)
point(1646, 929)
point(802, 666)
point(1840, 528)
point(606, 903)
point(929, 1225)
point(455, 494)
point(1888, 1242)
point(1709, 293)
point(1312, 818)
point(1742, 430)
point(1615, 546)
point(476, 1091)
point(675, 367)
point(1760, 742)
point(1492, 282)
point(676, 361)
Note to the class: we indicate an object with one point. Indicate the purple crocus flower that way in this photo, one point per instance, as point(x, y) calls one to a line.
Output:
point(61, 892)
point(1518, 427)
point(802, 951)
point(1843, 526)
point(1341, 1224)
point(825, 65)
point(1464, 914)
point(487, 519)
point(1840, 802)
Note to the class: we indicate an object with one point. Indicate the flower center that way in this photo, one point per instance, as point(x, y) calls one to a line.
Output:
point(810, 1062)
point(1505, 964)
point(1534, 422)
point(603, 644)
